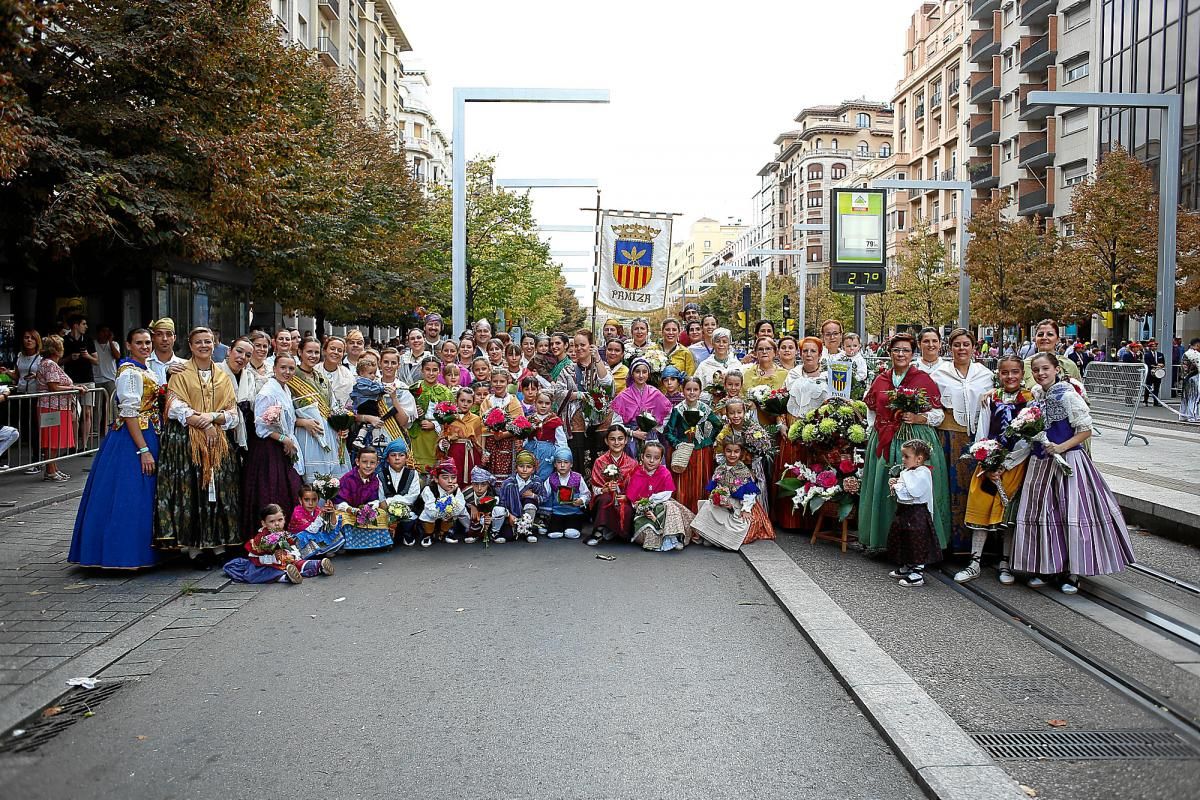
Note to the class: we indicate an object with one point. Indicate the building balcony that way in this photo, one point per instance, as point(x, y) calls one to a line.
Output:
point(1034, 199)
point(935, 104)
point(982, 9)
point(946, 175)
point(983, 88)
point(952, 89)
point(1037, 54)
point(919, 114)
point(983, 132)
point(983, 47)
point(980, 171)
point(327, 52)
point(329, 8)
point(1036, 151)
point(1034, 13)
point(1032, 112)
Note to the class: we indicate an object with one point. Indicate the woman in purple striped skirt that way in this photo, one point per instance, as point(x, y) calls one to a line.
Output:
point(1069, 524)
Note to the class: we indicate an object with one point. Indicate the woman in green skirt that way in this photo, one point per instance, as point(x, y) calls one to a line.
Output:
point(892, 391)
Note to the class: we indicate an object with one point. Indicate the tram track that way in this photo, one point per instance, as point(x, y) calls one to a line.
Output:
point(1182, 721)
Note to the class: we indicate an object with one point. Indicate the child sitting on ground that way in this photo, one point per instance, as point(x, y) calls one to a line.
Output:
point(610, 477)
point(400, 483)
point(444, 511)
point(272, 556)
point(481, 491)
point(520, 498)
point(731, 515)
point(567, 497)
point(912, 540)
point(659, 523)
point(312, 534)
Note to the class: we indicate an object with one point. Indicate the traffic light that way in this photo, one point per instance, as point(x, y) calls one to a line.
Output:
point(1107, 318)
point(787, 312)
point(1118, 297)
point(741, 318)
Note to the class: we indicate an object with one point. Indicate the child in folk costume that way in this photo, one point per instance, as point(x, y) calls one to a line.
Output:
point(731, 515)
point(993, 499)
point(272, 556)
point(313, 536)
point(912, 539)
point(520, 498)
point(693, 426)
point(528, 391)
point(752, 435)
point(500, 448)
point(732, 381)
point(567, 497)
point(612, 514)
point(640, 398)
point(400, 483)
point(424, 431)
point(366, 386)
point(462, 439)
point(481, 500)
point(671, 384)
point(1068, 522)
point(659, 523)
point(550, 435)
point(358, 505)
point(443, 507)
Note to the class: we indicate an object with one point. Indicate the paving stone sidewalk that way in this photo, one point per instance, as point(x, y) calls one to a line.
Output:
point(51, 611)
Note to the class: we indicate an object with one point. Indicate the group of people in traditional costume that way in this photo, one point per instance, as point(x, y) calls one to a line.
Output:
point(289, 452)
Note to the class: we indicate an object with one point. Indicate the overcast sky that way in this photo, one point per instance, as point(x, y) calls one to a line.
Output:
point(698, 96)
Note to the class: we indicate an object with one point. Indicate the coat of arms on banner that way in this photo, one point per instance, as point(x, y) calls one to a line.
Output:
point(840, 379)
point(633, 255)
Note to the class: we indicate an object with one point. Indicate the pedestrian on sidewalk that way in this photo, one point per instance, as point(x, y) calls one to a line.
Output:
point(912, 539)
point(56, 411)
point(114, 526)
point(1069, 524)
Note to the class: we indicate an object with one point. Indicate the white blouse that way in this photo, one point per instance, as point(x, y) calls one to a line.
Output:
point(180, 411)
point(961, 395)
point(129, 388)
point(805, 393)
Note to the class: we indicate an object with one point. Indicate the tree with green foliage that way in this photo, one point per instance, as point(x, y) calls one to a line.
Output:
point(724, 299)
point(929, 288)
point(1010, 260)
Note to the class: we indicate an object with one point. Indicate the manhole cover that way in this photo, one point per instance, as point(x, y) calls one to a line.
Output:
point(39, 729)
point(1031, 689)
point(1083, 745)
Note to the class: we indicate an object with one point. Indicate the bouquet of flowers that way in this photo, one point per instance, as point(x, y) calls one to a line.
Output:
point(989, 454)
point(398, 511)
point(776, 402)
point(267, 543)
point(611, 473)
point(758, 395)
point(758, 442)
point(497, 421)
point(326, 486)
point(486, 504)
point(596, 402)
point(716, 389)
point(645, 422)
point(341, 421)
point(643, 507)
point(445, 507)
point(813, 485)
point(367, 515)
point(445, 412)
point(271, 416)
point(720, 497)
point(903, 399)
point(835, 425)
point(522, 428)
point(658, 362)
point(1030, 424)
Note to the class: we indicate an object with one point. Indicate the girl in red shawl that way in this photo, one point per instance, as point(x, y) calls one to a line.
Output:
point(610, 479)
point(891, 428)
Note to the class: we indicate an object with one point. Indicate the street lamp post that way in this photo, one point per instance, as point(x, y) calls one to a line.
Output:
point(964, 236)
point(462, 96)
point(1168, 188)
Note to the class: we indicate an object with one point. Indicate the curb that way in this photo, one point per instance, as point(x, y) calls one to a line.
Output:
point(942, 758)
point(22, 508)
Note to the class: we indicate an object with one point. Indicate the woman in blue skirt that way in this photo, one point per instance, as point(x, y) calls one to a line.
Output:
point(114, 527)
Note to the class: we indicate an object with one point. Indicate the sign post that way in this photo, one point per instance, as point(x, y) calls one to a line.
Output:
point(858, 254)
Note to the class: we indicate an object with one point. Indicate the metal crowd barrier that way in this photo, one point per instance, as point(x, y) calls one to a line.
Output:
point(31, 437)
point(1116, 388)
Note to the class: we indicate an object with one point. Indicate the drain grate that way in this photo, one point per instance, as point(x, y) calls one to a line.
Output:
point(1084, 745)
point(40, 729)
point(1031, 689)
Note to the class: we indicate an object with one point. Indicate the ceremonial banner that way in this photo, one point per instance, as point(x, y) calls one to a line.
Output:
point(634, 256)
point(841, 378)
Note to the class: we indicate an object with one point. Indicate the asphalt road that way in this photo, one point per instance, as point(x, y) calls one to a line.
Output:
point(518, 672)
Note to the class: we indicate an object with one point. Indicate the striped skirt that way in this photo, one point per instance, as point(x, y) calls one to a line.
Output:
point(1069, 524)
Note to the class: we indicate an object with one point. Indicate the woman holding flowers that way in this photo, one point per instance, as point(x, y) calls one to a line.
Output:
point(199, 485)
point(639, 339)
point(808, 388)
point(962, 382)
point(641, 406)
point(692, 430)
point(594, 382)
point(274, 462)
point(763, 372)
point(424, 431)
point(1068, 523)
point(1000, 462)
point(323, 448)
point(499, 411)
point(905, 404)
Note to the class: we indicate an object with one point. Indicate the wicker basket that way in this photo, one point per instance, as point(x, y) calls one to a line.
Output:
point(382, 519)
point(681, 456)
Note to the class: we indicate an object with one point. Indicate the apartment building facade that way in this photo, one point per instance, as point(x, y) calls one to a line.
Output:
point(1034, 154)
point(831, 142)
point(691, 257)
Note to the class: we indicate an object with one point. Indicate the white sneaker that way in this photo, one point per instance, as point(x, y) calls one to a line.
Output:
point(967, 574)
point(592, 542)
point(427, 541)
point(531, 539)
point(1069, 588)
point(554, 535)
point(1006, 578)
point(571, 533)
point(1035, 582)
point(469, 540)
point(499, 540)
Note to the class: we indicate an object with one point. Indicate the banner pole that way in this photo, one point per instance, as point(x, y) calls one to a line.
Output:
point(596, 268)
